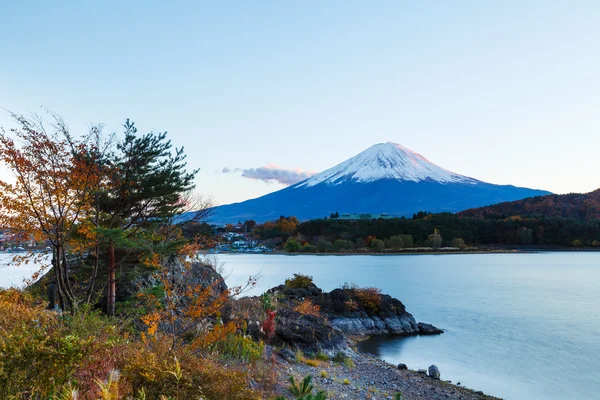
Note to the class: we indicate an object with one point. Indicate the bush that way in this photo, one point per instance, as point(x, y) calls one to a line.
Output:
point(308, 308)
point(308, 248)
point(299, 281)
point(240, 347)
point(457, 242)
point(370, 298)
point(324, 246)
point(377, 245)
point(291, 245)
point(407, 240)
point(360, 243)
point(395, 242)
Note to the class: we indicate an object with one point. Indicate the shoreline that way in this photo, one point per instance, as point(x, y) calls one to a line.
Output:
point(372, 377)
point(424, 252)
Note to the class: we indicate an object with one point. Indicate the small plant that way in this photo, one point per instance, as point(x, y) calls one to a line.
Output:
point(109, 390)
point(308, 308)
point(351, 305)
point(398, 396)
point(312, 362)
point(268, 325)
point(322, 356)
point(266, 300)
point(304, 390)
point(299, 356)
point(239, 347)
point(324, 374)
point(343, 359)
point(346, 381)
point(370, 298)
point(299, 281)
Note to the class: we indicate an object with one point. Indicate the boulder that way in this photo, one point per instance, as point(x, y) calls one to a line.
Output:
point(422, 371)
point(307, 332)
point(428, 329)
point(434, 372)
point(402, 367)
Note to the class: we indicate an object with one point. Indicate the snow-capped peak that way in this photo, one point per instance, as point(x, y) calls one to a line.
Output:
point(386, 161)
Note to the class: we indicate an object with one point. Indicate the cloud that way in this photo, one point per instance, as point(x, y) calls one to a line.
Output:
point(273, 173)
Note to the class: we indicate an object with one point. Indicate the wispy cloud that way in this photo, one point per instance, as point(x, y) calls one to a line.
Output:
point(273, 173)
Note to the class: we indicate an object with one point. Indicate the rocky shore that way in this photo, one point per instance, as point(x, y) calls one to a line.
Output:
point(371, 378)
point(315, 334)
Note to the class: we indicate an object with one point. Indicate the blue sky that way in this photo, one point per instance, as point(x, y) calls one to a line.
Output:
point(503, 91)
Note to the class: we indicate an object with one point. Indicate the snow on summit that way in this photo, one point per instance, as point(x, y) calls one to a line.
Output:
point(386, 161)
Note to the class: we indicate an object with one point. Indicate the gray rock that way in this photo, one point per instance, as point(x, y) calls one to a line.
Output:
point(307, 332)
point(428, 329)
point(422, 371)
point(434, 372)
point(402, 367)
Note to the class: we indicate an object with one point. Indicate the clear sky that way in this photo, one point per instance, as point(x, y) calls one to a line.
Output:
point(502, 91)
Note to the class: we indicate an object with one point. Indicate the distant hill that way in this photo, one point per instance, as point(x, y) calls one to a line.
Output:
point(386, 178)
point(582, 207)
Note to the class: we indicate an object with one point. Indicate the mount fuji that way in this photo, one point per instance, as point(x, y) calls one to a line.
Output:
point(386, 178)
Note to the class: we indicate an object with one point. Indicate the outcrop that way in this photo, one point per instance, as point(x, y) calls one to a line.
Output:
point(350, 311)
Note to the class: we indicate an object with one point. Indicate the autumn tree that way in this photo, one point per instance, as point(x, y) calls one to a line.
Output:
point(51, 190)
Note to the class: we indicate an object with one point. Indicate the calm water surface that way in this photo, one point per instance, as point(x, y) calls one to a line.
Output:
point(519, 326)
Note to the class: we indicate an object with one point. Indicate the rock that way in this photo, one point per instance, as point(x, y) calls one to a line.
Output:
point(287, 354)
point(307, 332)
point(434, 372)
point(422, 371)
point(310, 291)
point(428, 329)
point(402, 367)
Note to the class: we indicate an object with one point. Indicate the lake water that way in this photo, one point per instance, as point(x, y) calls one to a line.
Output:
point(518, 326)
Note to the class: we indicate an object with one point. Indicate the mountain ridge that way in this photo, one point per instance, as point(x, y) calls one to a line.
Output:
point(579, 206)
point(385, 178)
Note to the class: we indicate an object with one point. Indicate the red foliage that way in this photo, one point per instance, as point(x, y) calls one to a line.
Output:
point(268, 325)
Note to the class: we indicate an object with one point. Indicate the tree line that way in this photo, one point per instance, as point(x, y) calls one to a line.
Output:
point(327, 235)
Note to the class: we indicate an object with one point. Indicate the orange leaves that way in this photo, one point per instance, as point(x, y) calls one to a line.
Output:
point(151, 320)
point(308, 308)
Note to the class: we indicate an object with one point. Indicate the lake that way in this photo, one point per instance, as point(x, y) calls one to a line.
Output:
point(518, 326)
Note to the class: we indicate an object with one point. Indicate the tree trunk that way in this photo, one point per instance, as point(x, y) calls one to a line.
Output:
point(112, 279)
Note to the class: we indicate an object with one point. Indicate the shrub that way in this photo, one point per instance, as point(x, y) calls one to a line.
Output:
point(268, 325)
point(308, 308)
point(458, 242)
point(240, 347)
point(266, 300)
point(307, 248)
point(324, 246)
point(360, 243)
point(395, 242)
point(291, 245)
point(370, 298)
point(299, 281)
point(407, 240)
point(311, 362)
point(343, 359)
point(377, 245)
